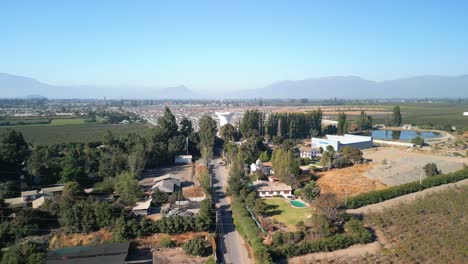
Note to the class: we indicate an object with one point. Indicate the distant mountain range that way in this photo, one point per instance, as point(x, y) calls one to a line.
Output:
point(344, 87)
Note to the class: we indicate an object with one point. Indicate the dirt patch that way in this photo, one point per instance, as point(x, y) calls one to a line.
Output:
point(395, 166)
point(349, 180)
point(62, 239)
point(153, 240)
point(193, 192)
point(176, 255)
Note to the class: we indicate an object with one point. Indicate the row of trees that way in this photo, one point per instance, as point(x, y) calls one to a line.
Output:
point(294, 125)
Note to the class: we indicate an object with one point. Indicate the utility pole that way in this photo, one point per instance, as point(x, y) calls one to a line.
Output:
point(346, 198)
point(186, 144)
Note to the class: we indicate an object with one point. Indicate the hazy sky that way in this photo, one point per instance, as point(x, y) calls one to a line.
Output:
point(218, 45)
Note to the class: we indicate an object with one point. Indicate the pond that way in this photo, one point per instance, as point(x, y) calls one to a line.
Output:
point(405, 135)
point(296, 203)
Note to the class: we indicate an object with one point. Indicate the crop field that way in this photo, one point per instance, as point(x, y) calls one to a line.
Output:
point(429, 230)
point(67, 121)
point(66, 133)
point(425, 114)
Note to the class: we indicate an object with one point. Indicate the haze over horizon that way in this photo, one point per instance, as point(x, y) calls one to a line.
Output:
point(210, 45)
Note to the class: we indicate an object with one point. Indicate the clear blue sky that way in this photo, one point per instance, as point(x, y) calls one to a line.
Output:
point(218, 45)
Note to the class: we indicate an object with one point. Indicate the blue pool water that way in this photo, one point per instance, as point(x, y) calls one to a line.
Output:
point(405, 135)
point(297, 203)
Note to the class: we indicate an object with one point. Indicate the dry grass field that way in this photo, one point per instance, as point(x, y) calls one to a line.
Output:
point(63, 239)
point(349, 180)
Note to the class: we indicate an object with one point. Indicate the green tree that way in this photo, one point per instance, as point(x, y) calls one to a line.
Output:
point(264, 156)
point(396, 117)
point(353, 154)
point(310, 191)
point(104, 214)
point(236, 180)
point(252, 123)
point(159, 197)
point(167, 124)
point(342, 123)
point(13, 148)
point(430, 169)
point(419, 141)
point(127, 188)
point(207, 135)
point(72, 190)
point(185, 127)
point(285, 165)
point(194, 247)
point(228, 132)
point(364, 122)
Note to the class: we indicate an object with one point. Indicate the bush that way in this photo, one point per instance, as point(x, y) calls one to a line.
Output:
point(195, 247)
point(341, 162)
point(431, 169)
point(167, 242)
point(418, 141)
point(395, 191)
point(332, 243)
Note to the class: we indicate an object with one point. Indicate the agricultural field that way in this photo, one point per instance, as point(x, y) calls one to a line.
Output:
point(280, 210)
point(427, 114)
point(68, 121)
point(65, 133)
point(431, 229)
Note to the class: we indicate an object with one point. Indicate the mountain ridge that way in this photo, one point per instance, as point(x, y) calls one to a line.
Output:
point(341, 86)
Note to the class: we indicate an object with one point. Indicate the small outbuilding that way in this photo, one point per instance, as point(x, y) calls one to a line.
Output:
point(142, 208)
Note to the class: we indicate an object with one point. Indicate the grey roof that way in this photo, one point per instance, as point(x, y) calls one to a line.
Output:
point(167, 185)
point(99, 254)
point(166, 177)
point(29, 193)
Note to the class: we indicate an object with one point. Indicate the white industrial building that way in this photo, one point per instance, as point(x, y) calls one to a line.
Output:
point(339, 142)
point(224, 118)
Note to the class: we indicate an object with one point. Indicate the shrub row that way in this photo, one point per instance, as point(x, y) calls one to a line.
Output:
point(395, 191)
point(246, 226)
point(356, 233)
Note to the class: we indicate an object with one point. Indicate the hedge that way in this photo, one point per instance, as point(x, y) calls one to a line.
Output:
point(395, 191)
point(335, 242)
point(246, 226)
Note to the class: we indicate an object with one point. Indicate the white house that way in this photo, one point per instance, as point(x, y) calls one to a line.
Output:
point(183, 159)
point(257, 166)
point(271, 189)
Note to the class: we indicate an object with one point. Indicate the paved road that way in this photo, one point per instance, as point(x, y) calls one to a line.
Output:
point(231, 244)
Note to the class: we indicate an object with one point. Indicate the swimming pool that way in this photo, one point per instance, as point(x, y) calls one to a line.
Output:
point(296, 203)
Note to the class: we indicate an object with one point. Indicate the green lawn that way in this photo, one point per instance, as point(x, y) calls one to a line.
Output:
point(280, 210)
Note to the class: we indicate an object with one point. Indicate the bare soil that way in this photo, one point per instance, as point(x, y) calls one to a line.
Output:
point(350, 180)
point(395, 166)
point(176, 256)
